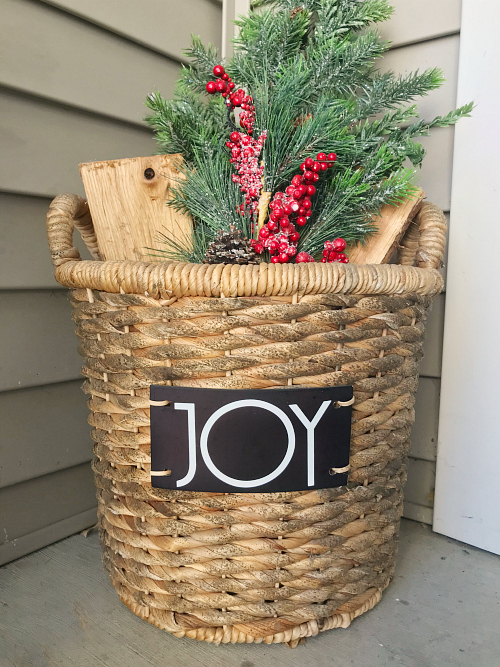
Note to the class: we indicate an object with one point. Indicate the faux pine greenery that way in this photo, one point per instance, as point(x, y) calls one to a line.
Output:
point(310, 67)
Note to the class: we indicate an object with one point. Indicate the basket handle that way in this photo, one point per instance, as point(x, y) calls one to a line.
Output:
point(65, 213)
point(425, 239)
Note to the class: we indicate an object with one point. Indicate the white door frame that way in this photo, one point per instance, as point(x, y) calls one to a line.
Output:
point(467, 500)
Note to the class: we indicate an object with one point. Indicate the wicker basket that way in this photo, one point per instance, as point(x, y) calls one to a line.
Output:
point(249, 567)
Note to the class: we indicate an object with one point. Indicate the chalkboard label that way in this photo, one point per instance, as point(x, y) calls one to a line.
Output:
point(239, 440)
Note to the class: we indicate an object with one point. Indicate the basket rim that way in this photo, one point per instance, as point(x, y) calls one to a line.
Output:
point(172, 279)
point(166, 280)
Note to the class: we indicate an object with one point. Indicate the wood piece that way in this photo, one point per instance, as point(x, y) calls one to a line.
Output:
point(127, 199)
point(391, 224)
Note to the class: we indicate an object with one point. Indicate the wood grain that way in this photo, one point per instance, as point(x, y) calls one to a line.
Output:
point(391, 225)
point(127, 200)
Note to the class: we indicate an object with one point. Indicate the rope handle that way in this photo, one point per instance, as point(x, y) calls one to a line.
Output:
point(425, 239)
point(65, 213)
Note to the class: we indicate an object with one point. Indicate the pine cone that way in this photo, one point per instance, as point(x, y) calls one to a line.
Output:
point(230, 248)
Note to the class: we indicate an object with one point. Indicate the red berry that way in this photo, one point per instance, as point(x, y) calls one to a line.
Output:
point(230, 85)
point(275, 259)
point(321, 157)
point(303, 190)
point(259, 248)
point(273, 246)
point(311, 190)
point(218, 70)
point(210, 87)
point(291, 251)
point(302, 210)
point(309, 162)
point(248, 152)
point(301, 221)
point(287, 209)
point(303, 166)
point(263, 233)
point(316, 166)
point(306, 203)
point(278, 211)
point(283, 257)
point(339, 245)
point(309, 175)
point(302, 257)
point(308, 213)
point(284, 222)
point(290, 190)
point(294, 206)
point(220, 86)
point(297, 194)
point(315, 177)
point(225, 76)
point(283, 246)
point(344, 261)
point(235, 137)
point(323, 259)
point(294, 237)
point(297, 180)
point(332, 256)
point(274, 217)
point(323, 166)
point(341, 255)
point(272, 225)
point(331, 157)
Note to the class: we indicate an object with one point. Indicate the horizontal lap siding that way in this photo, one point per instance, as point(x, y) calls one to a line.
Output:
point(422, 20)
point(45, 509)
point(43, 143)
point(114, 75)
point(51, 423)
point(27, 265)
point(71, 90)
point(163, 25)
point(425, 34)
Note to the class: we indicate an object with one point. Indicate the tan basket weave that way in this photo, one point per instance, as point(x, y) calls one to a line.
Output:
point(249, 567)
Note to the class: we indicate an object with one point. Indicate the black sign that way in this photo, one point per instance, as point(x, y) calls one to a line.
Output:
point(227, 440)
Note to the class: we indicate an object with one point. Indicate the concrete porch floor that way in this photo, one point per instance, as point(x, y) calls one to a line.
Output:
point(443, 608)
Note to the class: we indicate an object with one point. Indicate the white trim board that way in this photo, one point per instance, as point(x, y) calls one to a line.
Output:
point(468, 459)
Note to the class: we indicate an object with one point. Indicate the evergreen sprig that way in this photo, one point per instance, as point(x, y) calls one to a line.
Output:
point(310, 66)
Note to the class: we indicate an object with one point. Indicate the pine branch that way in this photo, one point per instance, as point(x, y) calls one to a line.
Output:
point(341, 17)
point(191, 247)
point(384, 91)
point(311, 74)
point(208, 193)
point(265, 44)
point(339, 67)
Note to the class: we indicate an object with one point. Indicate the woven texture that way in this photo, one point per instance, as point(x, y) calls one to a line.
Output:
point(249, 567)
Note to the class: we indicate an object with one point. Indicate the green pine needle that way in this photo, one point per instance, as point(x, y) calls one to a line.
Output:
point(311, 68)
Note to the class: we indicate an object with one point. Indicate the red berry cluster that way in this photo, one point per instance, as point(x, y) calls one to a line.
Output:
point(280, 236)
point(223, 84)
point(245, 152)
point(238, 98)
point(334, 252)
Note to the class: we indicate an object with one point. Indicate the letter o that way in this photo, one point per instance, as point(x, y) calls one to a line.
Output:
point(249, 403)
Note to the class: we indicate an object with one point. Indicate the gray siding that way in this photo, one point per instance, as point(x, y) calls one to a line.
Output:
point(73, 79)
point(426, 34)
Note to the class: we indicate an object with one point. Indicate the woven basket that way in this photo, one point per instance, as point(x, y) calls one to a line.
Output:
point(249, 567)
